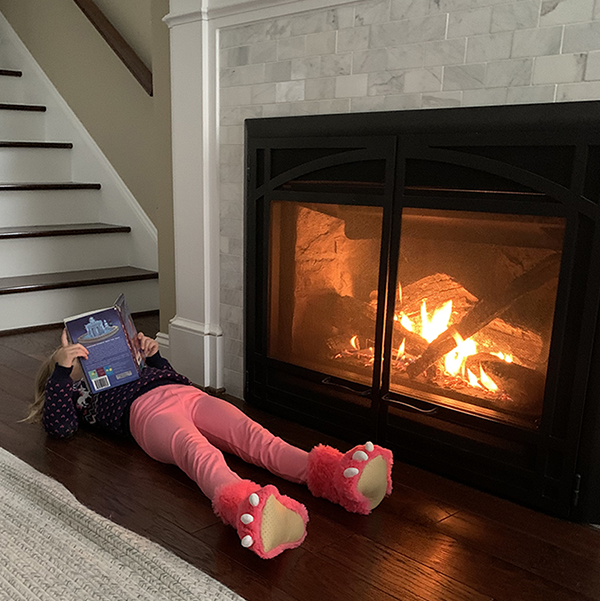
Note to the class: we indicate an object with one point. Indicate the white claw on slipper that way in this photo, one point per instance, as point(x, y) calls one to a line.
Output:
point(369, 446)
point(360, 456)
point(247, 541)
point(350, 472)
point(254, 500)
point(246, 518)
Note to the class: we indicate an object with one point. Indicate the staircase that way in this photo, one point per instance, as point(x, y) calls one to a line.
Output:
point(58, 254)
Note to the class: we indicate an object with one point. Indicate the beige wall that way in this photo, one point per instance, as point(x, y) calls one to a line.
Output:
point(131, 128)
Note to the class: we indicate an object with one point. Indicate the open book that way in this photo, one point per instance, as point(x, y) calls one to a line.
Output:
point(115, 356)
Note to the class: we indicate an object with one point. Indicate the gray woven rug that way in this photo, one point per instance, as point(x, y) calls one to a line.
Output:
point(52, 548)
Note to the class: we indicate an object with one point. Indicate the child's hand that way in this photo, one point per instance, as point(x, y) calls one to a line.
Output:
point(68, 353)
point(148, 345)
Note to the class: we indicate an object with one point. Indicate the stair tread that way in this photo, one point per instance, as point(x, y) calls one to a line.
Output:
point(72, 279)
point(11, 106)
point(14, 144)
point(50, 186)
point(62, 229)
point(11, 72)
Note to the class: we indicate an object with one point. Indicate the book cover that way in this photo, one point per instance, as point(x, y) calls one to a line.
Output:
point(115, 357)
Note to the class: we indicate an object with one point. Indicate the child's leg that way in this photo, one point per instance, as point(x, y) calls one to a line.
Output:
point(266, 521)
point(357, 480)
point(232, 431)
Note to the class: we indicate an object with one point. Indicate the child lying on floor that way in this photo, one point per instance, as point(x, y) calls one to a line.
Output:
point(175, 422)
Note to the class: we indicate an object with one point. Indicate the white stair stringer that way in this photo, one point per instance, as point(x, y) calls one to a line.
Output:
point(25, 166)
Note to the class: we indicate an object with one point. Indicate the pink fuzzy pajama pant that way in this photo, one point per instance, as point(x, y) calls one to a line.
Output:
point(184, 426)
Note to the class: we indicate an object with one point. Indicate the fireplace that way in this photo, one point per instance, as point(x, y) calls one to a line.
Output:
point(430, 280)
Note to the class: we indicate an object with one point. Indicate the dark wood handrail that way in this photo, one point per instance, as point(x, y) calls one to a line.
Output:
point(116, 41)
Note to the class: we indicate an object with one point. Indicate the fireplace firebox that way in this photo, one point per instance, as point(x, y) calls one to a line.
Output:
point(431, 280)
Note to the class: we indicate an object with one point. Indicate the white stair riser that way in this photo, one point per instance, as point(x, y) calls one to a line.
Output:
point(40, 207)
point(27, 256)
point(11, 89)
point(28, 309)
point(22, 126)
point(35, 165)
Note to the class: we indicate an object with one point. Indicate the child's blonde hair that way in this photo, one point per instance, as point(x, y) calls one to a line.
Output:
point(36, 408)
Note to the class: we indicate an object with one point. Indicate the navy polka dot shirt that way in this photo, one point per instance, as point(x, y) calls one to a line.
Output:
point(69, 404)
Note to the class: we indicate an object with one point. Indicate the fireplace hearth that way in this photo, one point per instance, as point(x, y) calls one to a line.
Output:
point(430, 280)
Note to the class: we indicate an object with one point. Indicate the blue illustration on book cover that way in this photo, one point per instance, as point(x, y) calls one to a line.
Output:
point(110, 336)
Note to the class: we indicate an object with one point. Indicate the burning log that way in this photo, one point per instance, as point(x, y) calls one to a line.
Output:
point(485, 311)
point(523, 385)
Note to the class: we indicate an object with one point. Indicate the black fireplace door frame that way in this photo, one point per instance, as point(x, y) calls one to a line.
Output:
point(331, 404)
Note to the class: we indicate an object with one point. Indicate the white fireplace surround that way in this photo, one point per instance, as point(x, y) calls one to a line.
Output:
point(261, 58)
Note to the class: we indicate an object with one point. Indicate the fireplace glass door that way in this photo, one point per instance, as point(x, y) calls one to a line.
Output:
point(323, 281)
point(474, 309)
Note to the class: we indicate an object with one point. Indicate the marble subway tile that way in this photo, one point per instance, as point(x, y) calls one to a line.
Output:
point(537, 42)
point(241, 76)
point(291, 48)
point(336, 64)
point(410, 31)
point(281, 109)
point(507, 73)
point(410, 9)
point(232, 297)
point(405, 57)
point(244, 35)
point(231, 134)
point(234, 57)
point(232, 154)
point(348, 86)
point(592, 69)
point(464, 77)
point(484, 97)
point(469, 22)
point(231, 208)
point(516, 15)
point(582, 37)
point(279, 28)
point(231, 313)
point(356, 38)
point(456, 5)
point(264, 93)
point(564, 68)
point(233, 382)
point(232, 228)
point(231, 272)
point(235, 115)
point(441, 100)
point(368, 104)
point(263, 53)
point(235, 347)
point(318, 21)
point(236, 96)
point(578, 91)
point(371, 11)
point(337, 105)
point(423, 80)
point(596, 10)
point(231, 173)
point(280, 71)
point(386, 83)
point(223, 245)
point(492, 47)
point(565, 11)
point(320, 89)
point(446, 52)
point(402, 102)
point(305, 68)
point(232, 192)
point(368, 61)
point(321, 43)
point(289, 91)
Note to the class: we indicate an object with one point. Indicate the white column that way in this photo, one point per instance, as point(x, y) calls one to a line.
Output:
point(195, 337)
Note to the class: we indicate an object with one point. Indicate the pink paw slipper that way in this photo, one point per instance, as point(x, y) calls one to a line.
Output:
point(357, 480)
point(266, 521)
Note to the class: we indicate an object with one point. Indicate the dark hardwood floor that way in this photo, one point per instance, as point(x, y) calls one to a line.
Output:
point(432, 540)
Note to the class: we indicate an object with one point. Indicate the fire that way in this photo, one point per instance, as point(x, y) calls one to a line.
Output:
point(432, 327)
point(354, 343)
point(401, 349)
point(454, 361)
